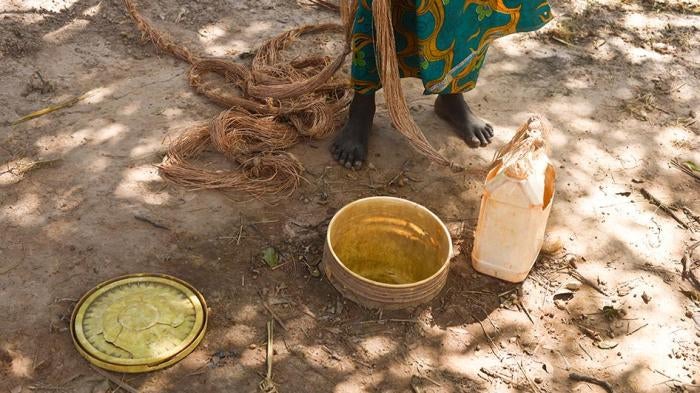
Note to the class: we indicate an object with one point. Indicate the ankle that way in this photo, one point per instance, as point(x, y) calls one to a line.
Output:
point(362, 105)
point(450, 98)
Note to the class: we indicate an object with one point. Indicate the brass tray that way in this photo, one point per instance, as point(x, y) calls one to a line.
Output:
point(139, 323)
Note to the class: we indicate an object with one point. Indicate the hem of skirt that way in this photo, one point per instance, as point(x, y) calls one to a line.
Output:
point(366, 90)
point(447, 91)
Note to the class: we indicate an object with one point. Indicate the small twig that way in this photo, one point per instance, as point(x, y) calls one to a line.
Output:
point(270, 352)
point(658, 108)
point(278, 266)
point(22, 169)
point(198, 371)
point(566, 361)
point(508, 292)
point(489, 319)
point(358, 361)
point(272, 313)
point(463, 293)
point(266, 385)
point(115, 381)
point(654, 201)
point(434, 382)
point(567, 43)
point(240, 232)
point(386, 320)
point(51, 108)
point(41, 78)
point(575, 274)
point(687, 272)
point(45, 387)
point(671, 379)
point(532, 384)
point(663, 374)
point(264, 222)
point(522, 306)
point(491, 343)
point(685, 169)
point(393, 179)
point(305, 310)
point(690, 214)
point(585, 378)
point(65, 299)
point(149, 221)
point(677, 87)
point(595, 336)
point(584, 350)
point(493, 374)
point(637, 329)
point(332, 354)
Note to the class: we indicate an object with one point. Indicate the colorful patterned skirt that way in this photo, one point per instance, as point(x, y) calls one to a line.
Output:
point(442, 42)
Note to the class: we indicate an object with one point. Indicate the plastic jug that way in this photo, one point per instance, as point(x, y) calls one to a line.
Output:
point(515, 205)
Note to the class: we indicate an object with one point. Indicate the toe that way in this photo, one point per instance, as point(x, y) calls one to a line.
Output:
point(472, 140)
point(487, 135)
point(358, 159)
point(489, 130)
point(480, 136)
point(350, 159)
point(342, 154)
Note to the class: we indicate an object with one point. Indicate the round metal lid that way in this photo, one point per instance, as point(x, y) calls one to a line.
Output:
point(139, 323)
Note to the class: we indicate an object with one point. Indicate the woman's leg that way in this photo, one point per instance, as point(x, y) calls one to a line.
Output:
point(350, 146)
point(445, 44)
point(454, 37)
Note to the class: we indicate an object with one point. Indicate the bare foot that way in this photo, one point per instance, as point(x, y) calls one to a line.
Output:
point(453, 109)
point(350, 147)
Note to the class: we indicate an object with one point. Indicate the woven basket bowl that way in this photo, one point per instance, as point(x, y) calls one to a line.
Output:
point(387, 253)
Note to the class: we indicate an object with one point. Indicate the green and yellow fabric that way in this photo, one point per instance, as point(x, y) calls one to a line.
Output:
point(442, 42)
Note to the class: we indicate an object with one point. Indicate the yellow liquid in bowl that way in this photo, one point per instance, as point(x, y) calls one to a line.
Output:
point(388, 250)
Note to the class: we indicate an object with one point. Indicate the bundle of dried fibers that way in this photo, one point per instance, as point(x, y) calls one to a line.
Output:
point(277, 103)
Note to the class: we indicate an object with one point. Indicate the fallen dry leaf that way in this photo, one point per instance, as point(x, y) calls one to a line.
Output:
point(606, 344)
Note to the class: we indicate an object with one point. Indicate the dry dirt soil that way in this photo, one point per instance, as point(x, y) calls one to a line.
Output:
point(617, 79)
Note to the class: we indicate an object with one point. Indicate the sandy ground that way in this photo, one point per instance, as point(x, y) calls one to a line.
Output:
point(619, 83)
